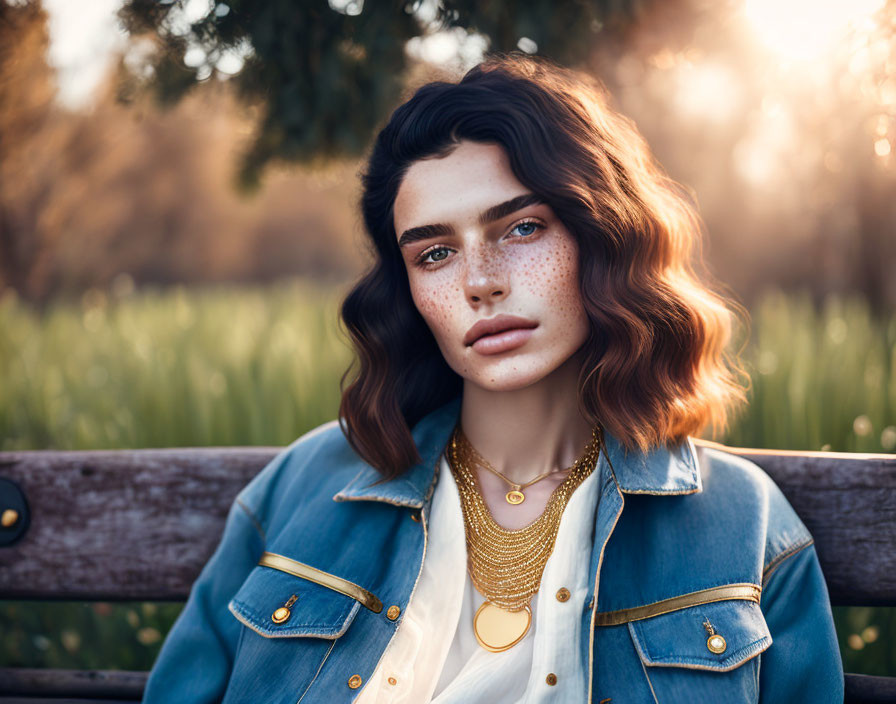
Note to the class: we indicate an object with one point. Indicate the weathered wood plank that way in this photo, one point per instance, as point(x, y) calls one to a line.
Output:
point(865, 689)
point(848, 503)
point(78, 684)
point(140, 524)
point(121, 525)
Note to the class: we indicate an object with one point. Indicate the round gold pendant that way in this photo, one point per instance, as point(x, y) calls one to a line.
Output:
point(515, 497)
point(498, 629)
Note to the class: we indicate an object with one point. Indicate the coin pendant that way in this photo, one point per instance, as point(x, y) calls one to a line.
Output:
point(498, 629)
point(515, 497)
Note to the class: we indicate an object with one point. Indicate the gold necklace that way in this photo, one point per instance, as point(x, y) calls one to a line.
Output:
point(506, 566)
point(515, 496)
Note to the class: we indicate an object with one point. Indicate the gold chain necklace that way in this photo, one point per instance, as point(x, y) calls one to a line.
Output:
point(515, 496)
point(505, 565)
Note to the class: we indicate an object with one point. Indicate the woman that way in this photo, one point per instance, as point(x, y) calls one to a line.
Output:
point(510, 508)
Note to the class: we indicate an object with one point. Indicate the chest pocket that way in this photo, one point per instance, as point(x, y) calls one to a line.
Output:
point(283, 598)
point(700, 647)
point(293, 616)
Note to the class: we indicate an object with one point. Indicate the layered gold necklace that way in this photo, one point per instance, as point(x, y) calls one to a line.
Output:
point(506, 565)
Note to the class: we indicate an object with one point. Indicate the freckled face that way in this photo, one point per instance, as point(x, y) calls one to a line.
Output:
point(524, 263)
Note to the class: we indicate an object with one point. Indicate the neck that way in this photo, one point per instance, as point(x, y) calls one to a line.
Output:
point(525, 432)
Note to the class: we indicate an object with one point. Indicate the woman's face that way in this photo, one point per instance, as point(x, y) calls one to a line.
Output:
point(468, 260)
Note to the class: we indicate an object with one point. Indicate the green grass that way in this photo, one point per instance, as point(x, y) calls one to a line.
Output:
point(261, 366)
point(170, 369)
point(822, 379)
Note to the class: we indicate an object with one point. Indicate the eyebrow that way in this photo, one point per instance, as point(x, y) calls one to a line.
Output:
point(495, 212)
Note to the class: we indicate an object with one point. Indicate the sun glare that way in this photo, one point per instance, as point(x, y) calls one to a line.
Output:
point(805, 30)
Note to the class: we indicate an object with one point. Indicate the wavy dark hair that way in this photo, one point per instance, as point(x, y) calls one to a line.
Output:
point(656, 366)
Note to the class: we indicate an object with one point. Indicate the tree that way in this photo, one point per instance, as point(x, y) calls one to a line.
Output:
point(324, 77)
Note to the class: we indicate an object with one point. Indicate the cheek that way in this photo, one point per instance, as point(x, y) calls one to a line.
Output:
point(434, 305)
point(554, 274)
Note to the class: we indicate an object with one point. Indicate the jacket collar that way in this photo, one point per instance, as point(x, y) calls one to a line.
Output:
point(660, 471)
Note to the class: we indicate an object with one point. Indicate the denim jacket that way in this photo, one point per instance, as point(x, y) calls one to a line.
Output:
point(708, 585)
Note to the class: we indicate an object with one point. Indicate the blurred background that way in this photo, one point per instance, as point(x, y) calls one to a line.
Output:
point(178, 220)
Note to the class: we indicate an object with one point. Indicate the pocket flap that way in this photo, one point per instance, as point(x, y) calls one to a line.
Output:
point(316, 611)
point(682, 637)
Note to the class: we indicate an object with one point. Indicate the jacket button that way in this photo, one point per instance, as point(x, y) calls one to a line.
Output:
point(716, 643)
point(551, 679)
point(354, 681)
point(415, 516)
point(563, 594)
point(392, 612)
point(280, 615)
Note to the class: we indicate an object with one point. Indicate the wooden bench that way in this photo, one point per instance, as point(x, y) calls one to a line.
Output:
point(140, 524)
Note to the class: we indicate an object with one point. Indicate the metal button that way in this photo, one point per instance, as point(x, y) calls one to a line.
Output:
point(415, 516)
point(9, 517)
point(281, 615)
point(392, 680)
point(716, 643)
point(354, 681)
point(563, 594)
point(392, 612)
point(551, 679)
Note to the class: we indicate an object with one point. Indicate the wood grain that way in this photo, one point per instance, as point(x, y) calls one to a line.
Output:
point(121, 525)
point(848, 503)
point(140, 524)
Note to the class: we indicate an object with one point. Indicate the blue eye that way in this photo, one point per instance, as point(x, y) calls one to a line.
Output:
point(527, 228)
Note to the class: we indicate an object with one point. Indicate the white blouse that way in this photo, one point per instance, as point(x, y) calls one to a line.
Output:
point(434, 657)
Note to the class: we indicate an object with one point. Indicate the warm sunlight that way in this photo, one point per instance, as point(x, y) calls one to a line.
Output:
point(803, 30)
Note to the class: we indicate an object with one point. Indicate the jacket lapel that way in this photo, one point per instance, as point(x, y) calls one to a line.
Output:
point(414, 487)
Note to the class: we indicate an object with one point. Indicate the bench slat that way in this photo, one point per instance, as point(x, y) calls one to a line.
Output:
point(121, 525)
point(140, 524)
point(122, 685)
point(848, 503)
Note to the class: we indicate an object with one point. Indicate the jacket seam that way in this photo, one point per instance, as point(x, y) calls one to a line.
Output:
point(253, 518)
point(649, 683)
point(319, 668)
point(782, 556)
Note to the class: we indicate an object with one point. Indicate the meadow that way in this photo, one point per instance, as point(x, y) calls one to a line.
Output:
point(228, 366)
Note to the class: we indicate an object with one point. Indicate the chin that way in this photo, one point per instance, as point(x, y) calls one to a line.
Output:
point(509, 374)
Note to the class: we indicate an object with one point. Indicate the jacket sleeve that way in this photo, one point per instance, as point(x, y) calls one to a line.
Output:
point(194, 664)
point(803, 663)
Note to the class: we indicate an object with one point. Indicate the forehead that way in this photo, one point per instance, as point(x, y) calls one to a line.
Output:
point(455, 188)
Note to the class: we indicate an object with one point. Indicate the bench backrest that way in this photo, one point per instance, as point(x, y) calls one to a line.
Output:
point(140, 524)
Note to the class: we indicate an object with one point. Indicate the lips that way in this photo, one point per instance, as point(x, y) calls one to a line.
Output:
point(499, 323)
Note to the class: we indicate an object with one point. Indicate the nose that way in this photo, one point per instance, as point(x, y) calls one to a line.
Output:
point(485, 280)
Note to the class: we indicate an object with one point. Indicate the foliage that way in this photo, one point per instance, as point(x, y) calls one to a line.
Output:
point(260, 367)
point(324, 77)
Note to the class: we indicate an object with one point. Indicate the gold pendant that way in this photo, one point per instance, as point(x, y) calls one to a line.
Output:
point(498, 629)
point(515, 497)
